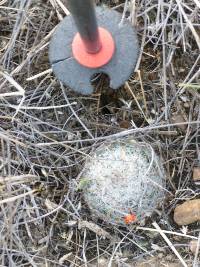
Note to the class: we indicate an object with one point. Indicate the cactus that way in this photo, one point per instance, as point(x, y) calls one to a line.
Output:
point(125, 181)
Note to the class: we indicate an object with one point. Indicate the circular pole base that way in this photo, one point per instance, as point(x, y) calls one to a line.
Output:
point(76, 70)
point(96, 60)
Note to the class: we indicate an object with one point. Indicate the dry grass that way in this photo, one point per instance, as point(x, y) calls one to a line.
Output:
point(46, 131)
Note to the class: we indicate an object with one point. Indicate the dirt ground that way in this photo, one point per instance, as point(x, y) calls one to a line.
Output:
point(47, 130)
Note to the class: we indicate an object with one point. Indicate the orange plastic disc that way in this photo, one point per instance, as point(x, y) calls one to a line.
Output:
point(94, 60)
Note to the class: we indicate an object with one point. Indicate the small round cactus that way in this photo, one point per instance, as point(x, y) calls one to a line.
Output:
point(123, 181)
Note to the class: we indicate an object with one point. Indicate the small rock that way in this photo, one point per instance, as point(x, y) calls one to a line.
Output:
point(188, 212)
point(196, 174)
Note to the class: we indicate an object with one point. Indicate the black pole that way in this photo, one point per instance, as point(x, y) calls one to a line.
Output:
point(83, 13)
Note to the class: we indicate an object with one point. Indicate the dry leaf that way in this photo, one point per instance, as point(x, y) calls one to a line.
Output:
point(125, 124)
point(179, 118)
point(50, 205)
point(193, 246)
point(94, 228)
point(157, 262)
point(102, 262)
point(65, 258)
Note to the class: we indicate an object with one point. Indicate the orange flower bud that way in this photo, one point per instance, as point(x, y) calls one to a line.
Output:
point(130, 218)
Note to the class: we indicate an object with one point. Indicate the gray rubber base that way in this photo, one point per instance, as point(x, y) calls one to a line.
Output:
point(77, 77)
